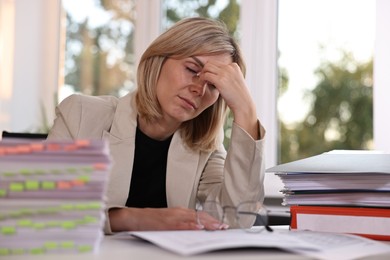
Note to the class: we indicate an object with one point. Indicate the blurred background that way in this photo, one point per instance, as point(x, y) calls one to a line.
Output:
point(311, 64)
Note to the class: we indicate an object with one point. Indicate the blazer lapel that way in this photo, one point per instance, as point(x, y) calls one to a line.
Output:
point(182, 173)
point(121, 139)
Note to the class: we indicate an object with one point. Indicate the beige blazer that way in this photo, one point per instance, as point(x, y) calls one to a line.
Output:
point(192, 176)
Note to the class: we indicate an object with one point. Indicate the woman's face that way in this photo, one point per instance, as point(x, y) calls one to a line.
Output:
point(182, 95)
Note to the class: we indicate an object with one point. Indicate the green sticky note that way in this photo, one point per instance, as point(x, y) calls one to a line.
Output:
point(88, 169)
point(67, 244)
point(25, 223)
point(72, 170)
point(55, 171)
point(81, 207)
point(84, 248)
point(26, 172)
point(17, 251)
point(26, 212)
point(48, 185)
point(94, 205)
point(3, 193)
point(39, 172)
point(49, 210)
point(39, 225)
point(32, 185)
point(53, 223)
point(9, 174)
point(37, 251)
point(7, 230)
point(4, 251)
point(68, 224)
point(90, 219)
point(50, 245)
point(67, 206)
point(16, 186)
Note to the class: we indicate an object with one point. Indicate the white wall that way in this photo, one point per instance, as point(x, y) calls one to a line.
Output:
point(35, 64)
point(382, 77)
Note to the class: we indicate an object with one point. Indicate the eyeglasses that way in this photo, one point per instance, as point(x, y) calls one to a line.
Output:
point(245, 215)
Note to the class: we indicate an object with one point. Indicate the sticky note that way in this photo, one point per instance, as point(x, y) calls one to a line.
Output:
point(68, 224)
point(9, 174)
point(4, 251)
point(82, 143)
point(37, 147)
point(17, 251)
point(63, 185)
point(67, 244)
point(32, 185)
point(25, 223)
point(26, 172)
point(78, 182)
point(23, 149)
point(84, 248)
point(3, 193)
point(84, 178)
point(100, 166)
point(39, 225)
point(50, 245)
point(53, 147)
point(16, 186)
point(48, 185)
point(37, 251)
point(67, 207)
point(8, 230)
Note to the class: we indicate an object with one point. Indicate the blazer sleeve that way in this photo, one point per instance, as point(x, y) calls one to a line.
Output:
point(237, 176)
point(83, 117)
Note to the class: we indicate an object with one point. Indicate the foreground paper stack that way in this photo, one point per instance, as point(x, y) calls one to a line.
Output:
point(52, 196)
point(339, 191)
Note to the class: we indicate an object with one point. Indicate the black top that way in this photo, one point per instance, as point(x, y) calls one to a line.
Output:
point(147, 186)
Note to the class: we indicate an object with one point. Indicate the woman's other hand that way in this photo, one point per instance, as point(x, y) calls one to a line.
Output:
point(142, 219)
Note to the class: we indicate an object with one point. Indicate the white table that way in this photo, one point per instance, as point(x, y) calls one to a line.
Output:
point(129, 248)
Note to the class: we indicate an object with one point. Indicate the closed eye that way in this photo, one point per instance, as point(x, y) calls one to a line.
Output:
point(191, 70)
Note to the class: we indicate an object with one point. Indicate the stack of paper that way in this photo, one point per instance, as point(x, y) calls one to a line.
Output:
point(346, 191)
point(52, 195)
point(334, 178)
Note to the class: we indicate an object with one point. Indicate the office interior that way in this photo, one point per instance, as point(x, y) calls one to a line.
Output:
point(32, 43)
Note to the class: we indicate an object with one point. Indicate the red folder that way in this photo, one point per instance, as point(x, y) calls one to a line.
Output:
point(373, 223)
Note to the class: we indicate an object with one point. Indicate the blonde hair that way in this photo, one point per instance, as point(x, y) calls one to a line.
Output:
point(189, 37)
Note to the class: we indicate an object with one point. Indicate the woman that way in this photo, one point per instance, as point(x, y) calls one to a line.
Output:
point(166, 137)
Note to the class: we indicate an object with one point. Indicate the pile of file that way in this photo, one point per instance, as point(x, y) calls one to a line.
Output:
point(52, 196)
point(339, 191)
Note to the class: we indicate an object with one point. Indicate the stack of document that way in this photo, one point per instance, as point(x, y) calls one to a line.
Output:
point(337, 187)
point(52, 196)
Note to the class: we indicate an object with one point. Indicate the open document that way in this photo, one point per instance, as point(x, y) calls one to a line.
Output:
point(312, 244)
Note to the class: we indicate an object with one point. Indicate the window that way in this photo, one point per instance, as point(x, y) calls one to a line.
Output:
point(35, 55)
point(326, 76)
point(99, 54)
